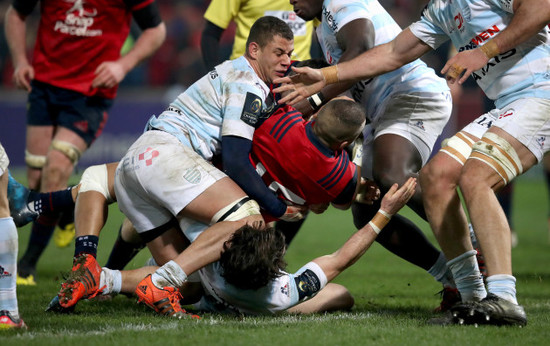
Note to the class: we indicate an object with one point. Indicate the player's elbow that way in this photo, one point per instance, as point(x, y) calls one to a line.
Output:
point(341, 298)
point(159, 33)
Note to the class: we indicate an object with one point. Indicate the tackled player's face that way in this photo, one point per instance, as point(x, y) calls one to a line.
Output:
point(307, 9)
point(274, 58)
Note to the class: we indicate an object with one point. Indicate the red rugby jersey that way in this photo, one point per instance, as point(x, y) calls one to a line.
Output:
point(293, 162)
point(76, 36)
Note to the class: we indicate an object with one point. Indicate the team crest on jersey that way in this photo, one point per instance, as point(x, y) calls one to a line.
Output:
point(308, 284)
point(252, 109)
point(192, 175)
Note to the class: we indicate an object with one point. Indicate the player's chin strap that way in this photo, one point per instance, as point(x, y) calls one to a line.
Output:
point(237, 210)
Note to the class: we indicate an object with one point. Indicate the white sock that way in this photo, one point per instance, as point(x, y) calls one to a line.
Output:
point(111, 279)
point(504, 286)
point(441, 272)
point(467, 277)
point(169, 274)
point(8, 266)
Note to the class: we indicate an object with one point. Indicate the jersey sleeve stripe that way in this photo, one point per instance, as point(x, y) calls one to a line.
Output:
point(331, 179)
point(341, 170)
point(142, 5)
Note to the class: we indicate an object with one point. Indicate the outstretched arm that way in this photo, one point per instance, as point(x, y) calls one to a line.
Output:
point(530, 16)
point(379, 60)
point(360, 241)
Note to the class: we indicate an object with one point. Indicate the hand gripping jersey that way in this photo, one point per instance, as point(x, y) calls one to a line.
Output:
point(414, 77)
point(228, 101)
point(518, 73)
point(295, 165)
point(75, 37)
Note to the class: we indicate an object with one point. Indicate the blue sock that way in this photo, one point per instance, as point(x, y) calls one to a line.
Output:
point(53, 202)
point(86, 244)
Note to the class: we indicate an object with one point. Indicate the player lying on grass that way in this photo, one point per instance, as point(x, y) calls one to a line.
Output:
point(250, 278)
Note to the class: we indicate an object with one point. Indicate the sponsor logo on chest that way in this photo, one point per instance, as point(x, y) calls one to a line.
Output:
point(78, 20)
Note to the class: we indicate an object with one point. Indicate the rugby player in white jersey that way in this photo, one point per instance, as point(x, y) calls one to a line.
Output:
point(166, 175)
point(249, 278)
point(504, 46)
point(407, 110)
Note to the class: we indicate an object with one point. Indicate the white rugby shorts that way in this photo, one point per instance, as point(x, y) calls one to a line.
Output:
point(419, 118)
point(527, 120)
point(158, 177)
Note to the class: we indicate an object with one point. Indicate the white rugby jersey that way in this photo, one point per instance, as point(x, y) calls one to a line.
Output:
point(523, 71)
point(279, 295)
point(227, 101)
point(415, 77)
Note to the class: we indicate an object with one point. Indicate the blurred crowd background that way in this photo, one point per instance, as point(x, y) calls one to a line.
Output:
point(147, 89)
point(178, 62)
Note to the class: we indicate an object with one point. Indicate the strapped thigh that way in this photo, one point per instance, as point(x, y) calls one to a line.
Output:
point(496, 152)
point(458, 147)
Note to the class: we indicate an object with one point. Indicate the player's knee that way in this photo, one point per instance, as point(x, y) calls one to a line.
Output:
point(436, 175)
point(385, 178)
point(95, 178)
point(469, 181)
point(342, 298)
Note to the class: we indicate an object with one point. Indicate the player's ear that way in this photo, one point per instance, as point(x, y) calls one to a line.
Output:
point(343, 145)
point(253, 50)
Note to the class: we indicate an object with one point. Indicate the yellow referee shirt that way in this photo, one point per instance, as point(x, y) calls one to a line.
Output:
point(245, 13)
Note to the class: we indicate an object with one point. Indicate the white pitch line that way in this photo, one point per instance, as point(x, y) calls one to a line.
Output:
point(213, 320)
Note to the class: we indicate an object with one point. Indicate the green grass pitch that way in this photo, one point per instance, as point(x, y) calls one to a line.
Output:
point(393, 299)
